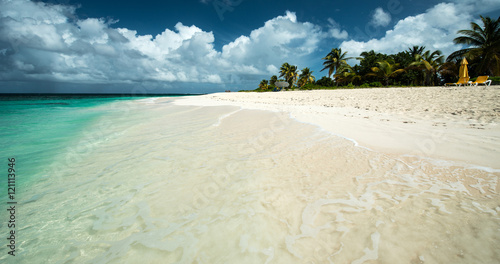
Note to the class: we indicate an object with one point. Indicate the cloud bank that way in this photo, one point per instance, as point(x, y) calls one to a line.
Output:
point(43, 42)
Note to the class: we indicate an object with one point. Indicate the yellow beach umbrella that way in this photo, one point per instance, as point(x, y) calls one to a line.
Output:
point(463, 72)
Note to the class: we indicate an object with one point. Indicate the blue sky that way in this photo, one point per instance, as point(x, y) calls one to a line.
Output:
point(199, 46)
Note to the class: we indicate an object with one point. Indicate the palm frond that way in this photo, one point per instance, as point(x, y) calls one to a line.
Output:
point(458, 54)
point(469, 39)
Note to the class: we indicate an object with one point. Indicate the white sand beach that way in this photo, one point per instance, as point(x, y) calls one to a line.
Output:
point(220, 179)
point(451, 123)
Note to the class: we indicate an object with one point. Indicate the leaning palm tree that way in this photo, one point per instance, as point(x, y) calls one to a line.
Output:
point(484, 42)
point(305, 77)
point(430, 63)
point(292, 75)
point(334, 60)
point(386, 70)
point(285, 70)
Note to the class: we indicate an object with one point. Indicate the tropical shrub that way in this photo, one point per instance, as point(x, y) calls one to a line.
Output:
point(325, 81)
point(376, 84)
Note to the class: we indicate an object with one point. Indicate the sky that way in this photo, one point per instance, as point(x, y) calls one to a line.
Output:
point(204, 46)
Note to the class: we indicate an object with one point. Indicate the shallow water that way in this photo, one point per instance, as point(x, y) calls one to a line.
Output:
point(152, 182)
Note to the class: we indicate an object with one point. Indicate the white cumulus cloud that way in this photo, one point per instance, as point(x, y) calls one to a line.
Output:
point(478, 6)
point(279, 39)
point(381, 18)
point(334, 30)
point(435, 29)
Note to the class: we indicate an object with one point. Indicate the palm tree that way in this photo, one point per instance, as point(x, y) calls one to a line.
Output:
point(273, 80)
point(263, 85)
point(293, 74)
point(334, 60)
point(306, 77)
point(449, 71)
point(386, 70)
point(416, 50)
point(368, 60)
point(484, 42)
point(346, 73)
point(285, 71)
point(289, 72)
point(430, 63)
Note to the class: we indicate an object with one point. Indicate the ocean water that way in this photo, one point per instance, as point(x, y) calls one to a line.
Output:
point(36, 128)
point(148, 181)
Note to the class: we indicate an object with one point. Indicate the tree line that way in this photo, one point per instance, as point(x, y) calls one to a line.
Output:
point(416, 66)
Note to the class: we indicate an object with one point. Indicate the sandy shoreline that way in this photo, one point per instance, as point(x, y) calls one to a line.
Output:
point(155, 182)
point(455, 123)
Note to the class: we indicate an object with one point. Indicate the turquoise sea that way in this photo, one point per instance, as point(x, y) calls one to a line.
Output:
point(35, 128)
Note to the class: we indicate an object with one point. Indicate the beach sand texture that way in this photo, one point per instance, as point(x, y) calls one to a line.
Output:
point(457, 123)
point(227, 183)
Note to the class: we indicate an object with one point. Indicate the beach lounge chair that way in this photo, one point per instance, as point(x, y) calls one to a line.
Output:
point(462, 80)
point(482, 80)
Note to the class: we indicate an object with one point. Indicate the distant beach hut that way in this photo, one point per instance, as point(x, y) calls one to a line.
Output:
point(281, 85)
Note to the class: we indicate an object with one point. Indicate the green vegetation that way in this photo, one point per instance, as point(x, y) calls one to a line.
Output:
point(289, 72)
point(306, 77)
point(334, 60)
point(386, 70)
point(429, 63)
point(413, 67)
point(484, 53)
